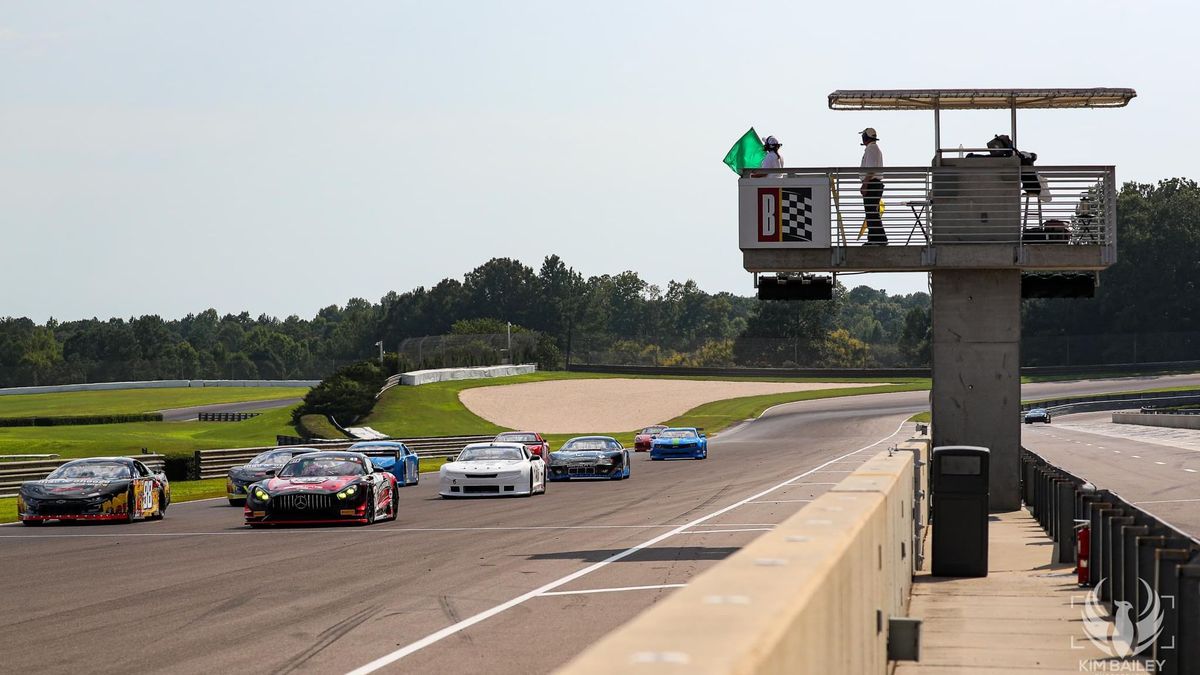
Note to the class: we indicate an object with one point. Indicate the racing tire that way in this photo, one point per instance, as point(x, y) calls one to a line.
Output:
point(162, 508)
point(33, 523)
point(237, 502)
point(370, 510)
point(128, 506)
point(395, 505)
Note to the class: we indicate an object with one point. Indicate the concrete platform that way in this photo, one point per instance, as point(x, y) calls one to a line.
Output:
point(1018, 619)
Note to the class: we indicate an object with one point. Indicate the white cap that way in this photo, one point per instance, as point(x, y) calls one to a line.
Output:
point(869, 132)
point(771, 141)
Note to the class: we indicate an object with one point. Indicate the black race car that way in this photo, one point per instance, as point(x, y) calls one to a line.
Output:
point(263, 466)
point(589, 457)
point(324, 487)
point(97, 488)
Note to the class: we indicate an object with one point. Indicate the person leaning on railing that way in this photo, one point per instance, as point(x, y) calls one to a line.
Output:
point(872, 187)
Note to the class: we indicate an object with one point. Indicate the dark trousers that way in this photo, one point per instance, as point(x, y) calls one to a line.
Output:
point(871, 197)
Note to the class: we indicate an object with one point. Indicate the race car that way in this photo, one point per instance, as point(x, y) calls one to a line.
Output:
point(394, 457)
point(324, 487)
point(97, 488)
point(240, 478)
point(641, 442)
point(589, 457)
point(686, 442)
point(532, 440)
point(1037, 415)
point(493, 469)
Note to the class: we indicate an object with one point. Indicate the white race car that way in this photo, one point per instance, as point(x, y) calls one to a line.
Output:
point(493, 469)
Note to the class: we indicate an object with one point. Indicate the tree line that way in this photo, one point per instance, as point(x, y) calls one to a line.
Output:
point(1145, 310)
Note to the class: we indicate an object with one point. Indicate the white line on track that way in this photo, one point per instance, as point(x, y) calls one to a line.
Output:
point(783, 501)
point(452, 629)
point(1160, 463)
point(377, 531)
point(613, 590)
point(1136, 456)
point(743, 529)
point(1169, 501)
point(1190, 470)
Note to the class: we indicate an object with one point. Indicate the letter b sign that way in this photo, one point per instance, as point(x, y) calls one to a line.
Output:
point(768, 214)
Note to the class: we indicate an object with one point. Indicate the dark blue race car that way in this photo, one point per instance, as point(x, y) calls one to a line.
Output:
point(394, 457)
point(1037, 415)
point(589, 457)
point(679, 443)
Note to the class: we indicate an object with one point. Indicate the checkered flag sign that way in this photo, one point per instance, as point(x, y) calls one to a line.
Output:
point(785, 214)
point(796, 217)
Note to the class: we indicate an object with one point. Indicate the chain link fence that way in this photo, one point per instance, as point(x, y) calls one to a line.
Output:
point(459, 351)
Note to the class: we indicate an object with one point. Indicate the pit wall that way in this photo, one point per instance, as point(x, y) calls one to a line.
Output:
point(156, 384)
point(1158, 420)
point(418, 377)
point(812, 596)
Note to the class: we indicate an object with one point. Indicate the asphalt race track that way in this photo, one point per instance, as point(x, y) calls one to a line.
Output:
point(1156, 469)
point(193, 412)
point(506, 585)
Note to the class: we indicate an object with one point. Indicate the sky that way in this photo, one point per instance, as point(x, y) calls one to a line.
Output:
point(279, 157)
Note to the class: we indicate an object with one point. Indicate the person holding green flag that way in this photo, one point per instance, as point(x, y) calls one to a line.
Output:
point(747, 152)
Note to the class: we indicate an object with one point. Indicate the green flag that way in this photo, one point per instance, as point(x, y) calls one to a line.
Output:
point(748, 152)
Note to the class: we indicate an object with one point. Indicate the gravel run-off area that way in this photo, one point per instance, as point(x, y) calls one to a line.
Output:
point(618, 404)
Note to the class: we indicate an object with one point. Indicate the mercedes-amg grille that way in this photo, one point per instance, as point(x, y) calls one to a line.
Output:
point(300, 504)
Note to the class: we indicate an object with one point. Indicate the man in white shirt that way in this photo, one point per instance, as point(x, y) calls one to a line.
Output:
point(772, 160)
point(872, 187)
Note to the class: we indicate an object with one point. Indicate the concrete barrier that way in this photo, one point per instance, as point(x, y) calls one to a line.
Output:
point(419, 377)
point(1158, 420)
point(814, 595)
point(155, 384)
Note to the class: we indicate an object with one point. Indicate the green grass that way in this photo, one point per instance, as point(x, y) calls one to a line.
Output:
point(435, 410)
point(1098, 376)
point(319, 426)
point(168, 438)
point(127, 401)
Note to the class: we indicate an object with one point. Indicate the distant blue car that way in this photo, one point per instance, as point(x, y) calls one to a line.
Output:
point(394, 457)
point(679, 442)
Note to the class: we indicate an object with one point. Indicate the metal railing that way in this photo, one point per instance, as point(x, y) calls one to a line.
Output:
point(1129, 547)
point(12, 474)
point(225, 416)
point(963, 204)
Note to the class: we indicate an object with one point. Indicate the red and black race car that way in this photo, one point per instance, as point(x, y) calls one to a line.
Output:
point(643, 439)
point(323, 487)
point(532, 441)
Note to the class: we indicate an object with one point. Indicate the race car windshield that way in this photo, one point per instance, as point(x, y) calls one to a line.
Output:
point(476, 454)
point(590, 444)
point(272, 457)
point(678, 433)
point(100, 470)
point(1038, 411)
point(306, 467)
point(653, 430)
point(517, 438)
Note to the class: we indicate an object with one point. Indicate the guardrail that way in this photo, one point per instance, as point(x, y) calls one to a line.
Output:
point(814, 595)
point(12, 474)
point(1068, 406)
point(1129, 547)
point(226, 416)
point(747, 371)
point(1168, 410)
point(217, 463)
point(994, 202)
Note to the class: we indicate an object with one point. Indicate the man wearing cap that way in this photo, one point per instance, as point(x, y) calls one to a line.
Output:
point(872, 187)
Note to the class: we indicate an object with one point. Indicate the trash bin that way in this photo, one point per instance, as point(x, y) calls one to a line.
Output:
point(960, 511)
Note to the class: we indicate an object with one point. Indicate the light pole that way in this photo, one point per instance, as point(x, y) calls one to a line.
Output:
point(380, 345)
point(509, 330)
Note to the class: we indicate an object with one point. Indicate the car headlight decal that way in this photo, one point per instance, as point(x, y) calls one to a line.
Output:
point(261, 494)
point(348, 492)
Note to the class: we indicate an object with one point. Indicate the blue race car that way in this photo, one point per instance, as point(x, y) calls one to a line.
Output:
point(686, 442)
point(394, 457)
